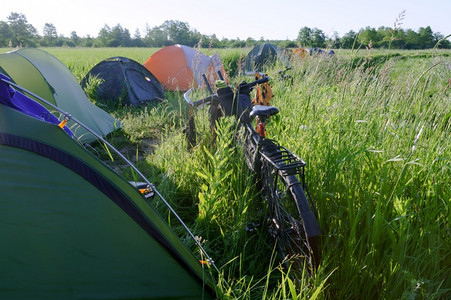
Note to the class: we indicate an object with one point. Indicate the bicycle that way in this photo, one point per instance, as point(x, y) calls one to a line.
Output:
point(280, 174)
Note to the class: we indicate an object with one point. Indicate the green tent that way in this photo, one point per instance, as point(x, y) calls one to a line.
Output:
point(47, 77)
point(70, 227)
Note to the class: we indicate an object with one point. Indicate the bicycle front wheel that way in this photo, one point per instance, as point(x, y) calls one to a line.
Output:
point(291, 222)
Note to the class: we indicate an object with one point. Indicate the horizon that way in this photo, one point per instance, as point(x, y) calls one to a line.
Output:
point(287, 17)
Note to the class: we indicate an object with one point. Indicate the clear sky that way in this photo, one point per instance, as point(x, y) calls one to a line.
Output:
point(270, 19)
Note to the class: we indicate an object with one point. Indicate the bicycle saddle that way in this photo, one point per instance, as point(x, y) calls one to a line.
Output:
point(263, 111)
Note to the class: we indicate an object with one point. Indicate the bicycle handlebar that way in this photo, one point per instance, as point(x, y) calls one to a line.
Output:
point(208, 99)
point(200, 102)
point(259, 81)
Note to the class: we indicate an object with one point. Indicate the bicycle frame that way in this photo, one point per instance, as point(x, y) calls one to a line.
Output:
point(269, 161)
point(260, 112)
point(254, 139)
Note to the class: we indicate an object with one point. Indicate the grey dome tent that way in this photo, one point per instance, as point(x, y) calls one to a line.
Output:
point(124, 80)
point(265, 54)
point(47, 77)
point(70, 227)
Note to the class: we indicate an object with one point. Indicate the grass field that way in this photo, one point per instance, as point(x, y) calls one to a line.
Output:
point(375, 130)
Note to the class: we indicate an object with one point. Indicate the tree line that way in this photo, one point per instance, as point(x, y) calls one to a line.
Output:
point(17, 32)
point(383, 37)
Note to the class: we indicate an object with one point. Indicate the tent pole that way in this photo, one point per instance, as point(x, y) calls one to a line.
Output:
point(69, 117)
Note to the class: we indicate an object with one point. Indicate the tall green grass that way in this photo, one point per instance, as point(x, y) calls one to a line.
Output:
point(376, 139)
point(377, 143)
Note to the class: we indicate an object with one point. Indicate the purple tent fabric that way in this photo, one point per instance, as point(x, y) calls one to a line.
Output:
point(18, 101)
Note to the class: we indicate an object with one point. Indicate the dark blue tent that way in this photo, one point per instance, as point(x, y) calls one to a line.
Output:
point(265, 54)
point(126, 81)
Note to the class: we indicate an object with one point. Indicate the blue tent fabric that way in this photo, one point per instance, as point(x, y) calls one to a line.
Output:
point(18, 101)
point(264, 54)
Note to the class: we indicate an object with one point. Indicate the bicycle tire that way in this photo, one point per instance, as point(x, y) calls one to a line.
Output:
point(291, 223)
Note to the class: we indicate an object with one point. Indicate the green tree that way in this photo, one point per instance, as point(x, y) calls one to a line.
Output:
point(250, 42)
point(75, 38)
point(214, 42)
point(120, 37)
point(50, 37)
point(318, 38)
point(104, 36)
point(348, 40)
point(136, 40)
point(397, 39)
point(335, 41)
point(88, 41)
point(384, 37)
point(178, 32)
point(114, 37)
point(305, 37)
point(369, 37)
point(441, 42)
point(22, 33)
point(288, 44)
point(156, 37)
point(426, 38)
point(237, 43)
point(412, 40)
point(5, 34)
point(199, 38)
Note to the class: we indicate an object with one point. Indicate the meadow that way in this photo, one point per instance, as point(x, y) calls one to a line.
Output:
point(374, 127)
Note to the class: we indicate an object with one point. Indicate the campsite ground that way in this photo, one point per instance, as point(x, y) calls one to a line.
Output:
point(373, 127)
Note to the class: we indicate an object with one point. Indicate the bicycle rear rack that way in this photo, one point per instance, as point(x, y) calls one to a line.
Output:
point(288, 163)
point(285, 161)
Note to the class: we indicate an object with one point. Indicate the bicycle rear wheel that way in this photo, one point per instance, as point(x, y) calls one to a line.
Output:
point(291, 222)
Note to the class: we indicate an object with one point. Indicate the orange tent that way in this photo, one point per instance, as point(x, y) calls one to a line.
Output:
point(180, 67)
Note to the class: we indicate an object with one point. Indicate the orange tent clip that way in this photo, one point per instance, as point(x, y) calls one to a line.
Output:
point(64, 121)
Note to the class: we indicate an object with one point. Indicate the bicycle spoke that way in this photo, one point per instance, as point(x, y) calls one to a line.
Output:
point(284, 222)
